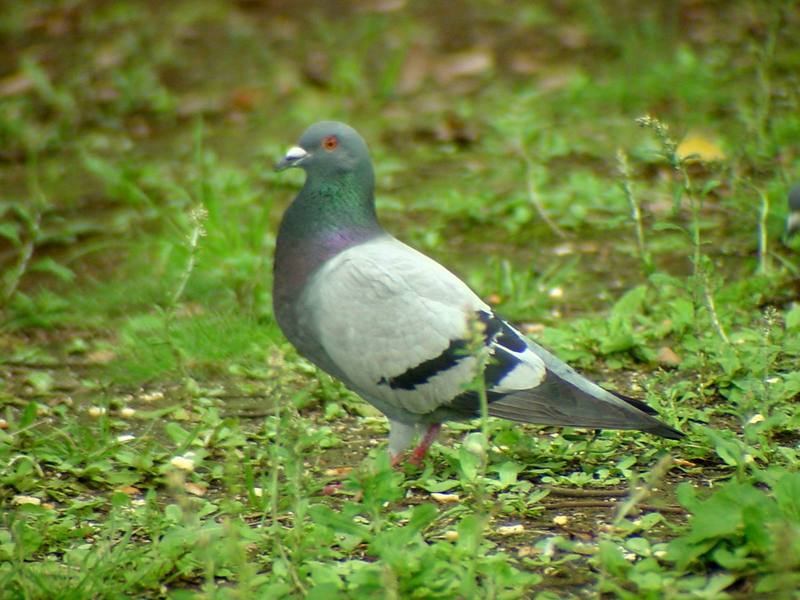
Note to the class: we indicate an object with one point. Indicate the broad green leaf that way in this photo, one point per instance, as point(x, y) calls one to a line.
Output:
point(10, 232)
point(630, 304)
point(28, 414)
point(793, 317)
point(325, 516)
point(612, 558)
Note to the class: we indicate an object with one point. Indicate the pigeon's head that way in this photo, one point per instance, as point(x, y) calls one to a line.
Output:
point(328, 148)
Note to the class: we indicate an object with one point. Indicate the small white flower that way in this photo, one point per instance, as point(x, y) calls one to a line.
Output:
point(125, 437)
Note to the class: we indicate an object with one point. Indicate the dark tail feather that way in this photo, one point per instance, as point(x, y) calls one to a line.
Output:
point(558, 402)
point(663, 430)
point(642, 406)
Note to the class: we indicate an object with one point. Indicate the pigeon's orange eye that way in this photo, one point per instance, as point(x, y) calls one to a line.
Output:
point(330, 143)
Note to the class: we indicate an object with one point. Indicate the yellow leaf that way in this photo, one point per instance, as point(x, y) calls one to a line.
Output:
point(696, 147)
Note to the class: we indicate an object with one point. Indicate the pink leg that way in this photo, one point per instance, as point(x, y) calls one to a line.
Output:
point(419, 452)
point(332, 488)
point(417, 456)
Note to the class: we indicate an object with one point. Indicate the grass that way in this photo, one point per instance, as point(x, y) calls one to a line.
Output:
point(159, 438)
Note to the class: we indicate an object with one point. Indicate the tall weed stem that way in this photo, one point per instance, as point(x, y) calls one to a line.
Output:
point(636, 213)
point(669, 149)
point(533, 194)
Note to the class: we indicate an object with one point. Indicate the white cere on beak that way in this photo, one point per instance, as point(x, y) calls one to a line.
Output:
point(295, 153)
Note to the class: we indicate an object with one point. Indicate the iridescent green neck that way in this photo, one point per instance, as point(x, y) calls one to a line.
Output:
point(342, 206)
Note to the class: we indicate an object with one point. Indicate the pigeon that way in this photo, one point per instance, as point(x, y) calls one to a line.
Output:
point(401, 330)
point(793, 219)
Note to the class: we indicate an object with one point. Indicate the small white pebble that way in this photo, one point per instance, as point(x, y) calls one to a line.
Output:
point(127, 412)
point(96, 411)
point(183, 463)
point(195, 489)
point(630, 556)
point(337, 471)
point(506, 530)
point(526, 551)
point(152, 396)
point(125, 437)
point(756, 418)
point(560, 520)
point(22, 499)
point(445, 498)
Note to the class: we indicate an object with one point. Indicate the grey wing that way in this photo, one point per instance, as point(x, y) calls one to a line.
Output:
point(396, 324)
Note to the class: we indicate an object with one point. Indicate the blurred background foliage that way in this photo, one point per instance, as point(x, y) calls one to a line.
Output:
point(611, 175)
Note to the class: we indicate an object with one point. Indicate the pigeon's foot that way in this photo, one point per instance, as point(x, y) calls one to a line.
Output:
point(418, 454)
point(332, 488)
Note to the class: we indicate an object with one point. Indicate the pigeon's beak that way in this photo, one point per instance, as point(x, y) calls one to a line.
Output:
point(294, 158)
